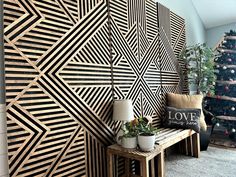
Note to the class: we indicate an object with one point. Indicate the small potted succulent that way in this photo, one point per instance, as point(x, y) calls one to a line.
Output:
point(147, 133)
point(130, 132)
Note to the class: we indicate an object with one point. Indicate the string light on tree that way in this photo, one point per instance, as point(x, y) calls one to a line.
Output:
point(229, 59)
point(232, 71)
point(224, 67)
point(233, 108)
point(233, 130)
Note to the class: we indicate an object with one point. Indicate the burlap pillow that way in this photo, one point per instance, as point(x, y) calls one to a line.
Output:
point(187, 101)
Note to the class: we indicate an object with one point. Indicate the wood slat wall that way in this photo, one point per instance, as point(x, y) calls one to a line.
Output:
point(65, 62)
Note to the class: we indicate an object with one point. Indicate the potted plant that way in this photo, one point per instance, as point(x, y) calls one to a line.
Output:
point(130, 132)
point(199, 60)
point(146, 136)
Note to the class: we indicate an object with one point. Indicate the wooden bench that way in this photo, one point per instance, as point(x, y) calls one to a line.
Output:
point(166, 137)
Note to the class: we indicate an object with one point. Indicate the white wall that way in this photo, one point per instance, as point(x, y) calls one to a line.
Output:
point(195, 30)
point(3, 143)
point(215, 34)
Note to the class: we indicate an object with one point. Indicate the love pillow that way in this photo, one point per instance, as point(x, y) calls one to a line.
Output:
point(182, 118)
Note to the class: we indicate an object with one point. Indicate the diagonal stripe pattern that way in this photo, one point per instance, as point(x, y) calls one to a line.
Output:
point(65, 63)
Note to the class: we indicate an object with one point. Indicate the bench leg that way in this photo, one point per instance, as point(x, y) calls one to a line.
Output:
point(127, 167)
point(144, 168)
point(189, 146)
point(110, 164)
point(153, 167)
point(196, 145)
point(161, 164)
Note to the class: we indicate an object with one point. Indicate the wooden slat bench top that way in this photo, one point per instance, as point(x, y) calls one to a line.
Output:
point(166, 137)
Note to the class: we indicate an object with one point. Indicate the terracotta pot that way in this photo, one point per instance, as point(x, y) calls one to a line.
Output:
point(146, 143)
point(130, 142)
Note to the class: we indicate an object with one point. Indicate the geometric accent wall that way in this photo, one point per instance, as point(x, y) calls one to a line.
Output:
point(65, 62)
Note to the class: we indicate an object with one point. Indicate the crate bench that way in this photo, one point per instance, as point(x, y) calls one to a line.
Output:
point(166, 137)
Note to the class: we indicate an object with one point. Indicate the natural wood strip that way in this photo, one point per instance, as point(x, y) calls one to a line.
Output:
point(230, 118)
point(230, 37)
point(153, 168)
point(226, 82)
point(53, 143)
point(223, 98)
point(164, 136)
point(77, 166)
point(64, 129)
point(196, 145)
point(33, 160)
point(227, 50)
point(228, 66)
point(161, 164)
point(175, 138)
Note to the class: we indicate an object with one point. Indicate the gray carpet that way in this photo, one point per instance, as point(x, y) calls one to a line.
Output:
point(215, 162)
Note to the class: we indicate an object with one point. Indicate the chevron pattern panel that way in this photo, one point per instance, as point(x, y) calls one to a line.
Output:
point(178, 42)
point(172, 41)
point(65, 62)
point(136, 72)
point(58, 83)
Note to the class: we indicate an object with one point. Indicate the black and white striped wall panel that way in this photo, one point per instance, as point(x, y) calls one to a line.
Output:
point(65, 62)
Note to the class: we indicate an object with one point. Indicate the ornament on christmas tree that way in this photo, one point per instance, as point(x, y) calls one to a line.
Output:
point(232, 108)
point(224, 67)
point(226, 132)
point(232, 71)
point(217, 71)
point(226, 88)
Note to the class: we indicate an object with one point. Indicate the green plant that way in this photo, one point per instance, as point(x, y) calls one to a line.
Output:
point(145, 126)
point(130, 129)
point(141, 125)
point(199, 61)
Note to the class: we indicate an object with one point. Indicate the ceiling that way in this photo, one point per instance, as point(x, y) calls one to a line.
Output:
point(216, 12)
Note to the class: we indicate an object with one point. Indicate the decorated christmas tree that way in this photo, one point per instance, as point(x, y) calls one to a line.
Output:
point(223, 104)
